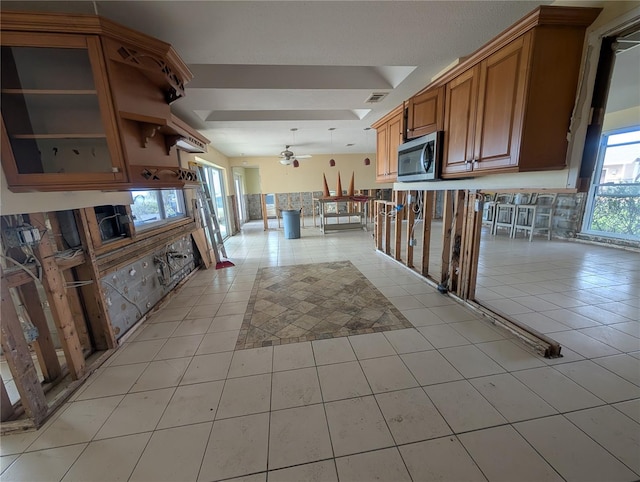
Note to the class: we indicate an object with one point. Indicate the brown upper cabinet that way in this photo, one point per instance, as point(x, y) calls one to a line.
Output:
point(389, 136)
point(508, 106)
point(85, 105)
point(425, 113)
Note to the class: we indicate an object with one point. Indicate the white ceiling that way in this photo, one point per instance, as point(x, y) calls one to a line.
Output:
point(263, 67)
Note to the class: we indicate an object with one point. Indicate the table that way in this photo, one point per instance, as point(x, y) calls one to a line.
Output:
point(352, 219)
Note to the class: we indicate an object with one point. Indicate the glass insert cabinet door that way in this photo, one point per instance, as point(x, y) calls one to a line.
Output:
point(56, 111)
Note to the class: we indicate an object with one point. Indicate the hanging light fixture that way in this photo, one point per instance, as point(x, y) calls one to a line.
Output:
point(332, 162)
point(367, 161)
point(296, 163)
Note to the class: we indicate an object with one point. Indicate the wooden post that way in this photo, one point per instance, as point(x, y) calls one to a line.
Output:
point(411, 219)
point(18, 357)
point(43, 346)
point(456, 240)
point(387, 228)
point(471, 247)
point(447, 224)
point(302, 209)
point(377, 224)
point(277, 207)
point(6, 407)
point(427, 212)
point(400, 197)
point(92, 295)
point(54, 287)
point(263, 202)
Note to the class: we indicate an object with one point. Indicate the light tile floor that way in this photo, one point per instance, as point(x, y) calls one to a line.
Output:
point(454, 399)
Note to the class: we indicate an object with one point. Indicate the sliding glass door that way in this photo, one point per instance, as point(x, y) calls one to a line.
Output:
point(215, 180)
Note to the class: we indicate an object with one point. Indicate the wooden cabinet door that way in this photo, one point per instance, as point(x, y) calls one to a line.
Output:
point(425, 113)
point(501, 99)
point(382, 152)
point(395, 139)
point(59, 130)
point(459, 123)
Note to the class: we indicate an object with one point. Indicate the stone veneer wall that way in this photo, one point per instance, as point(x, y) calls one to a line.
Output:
point(567, 218)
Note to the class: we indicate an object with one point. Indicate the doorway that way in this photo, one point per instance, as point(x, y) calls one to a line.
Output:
point(215, 180)
point(613, 203)
point(240, 201)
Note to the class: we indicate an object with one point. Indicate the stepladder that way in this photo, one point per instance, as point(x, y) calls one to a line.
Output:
point(210, 221)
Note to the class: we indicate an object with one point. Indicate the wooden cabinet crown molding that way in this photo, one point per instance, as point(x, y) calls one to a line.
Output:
point(388, 117)
point(169, 64)
point(543, 15)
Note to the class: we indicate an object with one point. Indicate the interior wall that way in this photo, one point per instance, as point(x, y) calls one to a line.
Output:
point(621, 119)
point(275, 177)
point(37, 202)
point(252, 180)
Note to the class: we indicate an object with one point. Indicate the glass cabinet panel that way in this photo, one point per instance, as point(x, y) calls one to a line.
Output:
point(52, 112)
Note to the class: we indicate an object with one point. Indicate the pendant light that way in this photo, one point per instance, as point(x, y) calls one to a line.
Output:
point(332, 162)
point(367, 161)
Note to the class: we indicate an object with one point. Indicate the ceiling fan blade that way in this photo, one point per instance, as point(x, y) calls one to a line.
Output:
point(304, 156)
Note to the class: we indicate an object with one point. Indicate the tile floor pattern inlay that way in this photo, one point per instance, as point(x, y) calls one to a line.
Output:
point(291, 304)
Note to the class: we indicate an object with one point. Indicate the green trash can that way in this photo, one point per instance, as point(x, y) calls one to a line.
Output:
point(291, 220)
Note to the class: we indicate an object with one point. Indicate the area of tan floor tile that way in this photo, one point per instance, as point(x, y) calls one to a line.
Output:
point(290, 304)
point(453, 399)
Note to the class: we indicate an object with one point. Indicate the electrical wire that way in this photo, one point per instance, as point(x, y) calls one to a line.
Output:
point(21, 266)
point(63, 255)
point(126, 298)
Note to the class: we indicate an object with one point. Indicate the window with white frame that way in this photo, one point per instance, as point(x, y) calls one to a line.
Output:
point(156, 207)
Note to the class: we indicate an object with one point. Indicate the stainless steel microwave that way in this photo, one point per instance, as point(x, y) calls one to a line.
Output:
point(419, 159)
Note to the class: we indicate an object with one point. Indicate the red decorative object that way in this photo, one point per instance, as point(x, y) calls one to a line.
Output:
point(367, 161)
point(332, 163)
point(296, 163)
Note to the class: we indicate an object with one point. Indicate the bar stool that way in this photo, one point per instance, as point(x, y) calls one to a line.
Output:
point(545, 208)
point(504, 213)
point(488, 209)
point(525, 215)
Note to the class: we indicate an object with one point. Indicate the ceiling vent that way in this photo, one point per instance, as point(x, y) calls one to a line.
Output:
point(376, 97)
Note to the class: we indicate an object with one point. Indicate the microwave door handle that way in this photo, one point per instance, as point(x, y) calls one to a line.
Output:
point(426, 164)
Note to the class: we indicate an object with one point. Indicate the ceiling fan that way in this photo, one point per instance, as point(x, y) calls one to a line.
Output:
point(287, 156)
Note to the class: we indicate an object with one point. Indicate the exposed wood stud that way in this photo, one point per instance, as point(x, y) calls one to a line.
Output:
point(43, 346)
point(447, 219)
point(54, 287)
point(427, 212)
point(411, 219)
point(265, 220)
point(18, 357)
point(92, 295)
point(6, 408)
point(400, 213)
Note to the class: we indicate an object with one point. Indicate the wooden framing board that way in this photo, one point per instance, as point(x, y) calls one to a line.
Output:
point(43, 345)
point(427, 216)
point(471, 247)
point(263, 205)
point(387, 228)
point(377, 231)
point(456, 240)
point(6, 407)
point(110, 262)
point(54, 287)
point(77, 313)
point(411, 219)
point(92, 295)
point(447, 225)
point(400, 196)
point(18, 357)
